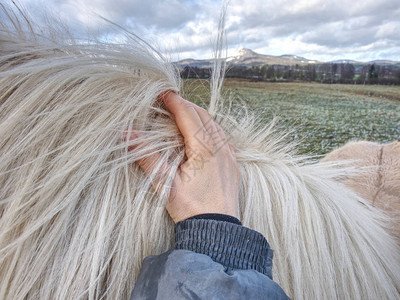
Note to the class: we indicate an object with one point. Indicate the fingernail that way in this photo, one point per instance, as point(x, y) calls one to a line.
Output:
point(134, 135)
point(131, 135)
point(164, 95)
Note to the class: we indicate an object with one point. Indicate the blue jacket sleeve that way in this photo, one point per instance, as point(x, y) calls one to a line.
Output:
point(212, 260)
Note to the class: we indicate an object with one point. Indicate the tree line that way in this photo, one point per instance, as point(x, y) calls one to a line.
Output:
point(324, 73)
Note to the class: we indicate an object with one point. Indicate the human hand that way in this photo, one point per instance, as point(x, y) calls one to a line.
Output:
point(214, 188)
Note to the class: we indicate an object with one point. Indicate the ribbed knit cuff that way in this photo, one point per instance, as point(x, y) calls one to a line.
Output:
point(217, 217)
point(233, 246)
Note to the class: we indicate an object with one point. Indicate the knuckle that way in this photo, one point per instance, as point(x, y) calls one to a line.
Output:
point(204, 111)
point(187, 105)
point(220, 129)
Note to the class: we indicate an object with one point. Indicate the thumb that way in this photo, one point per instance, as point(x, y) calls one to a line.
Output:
point(151, 161)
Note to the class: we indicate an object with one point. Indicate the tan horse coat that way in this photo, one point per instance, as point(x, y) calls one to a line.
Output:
point(382, 185)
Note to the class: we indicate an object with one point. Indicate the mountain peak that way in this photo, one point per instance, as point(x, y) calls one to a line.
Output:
point(243, 52)
point(247, 57)
point(246, 51)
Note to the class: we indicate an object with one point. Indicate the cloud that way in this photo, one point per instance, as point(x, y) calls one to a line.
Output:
point(319, 28)
point(312, 28)
point(163, 15)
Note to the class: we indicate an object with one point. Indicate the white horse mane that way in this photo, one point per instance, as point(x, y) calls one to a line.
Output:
point(77, 215)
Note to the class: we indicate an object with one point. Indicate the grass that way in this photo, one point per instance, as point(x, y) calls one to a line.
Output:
point(321, 116)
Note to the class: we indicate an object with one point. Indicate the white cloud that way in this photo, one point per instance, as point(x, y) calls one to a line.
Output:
point(316, 29)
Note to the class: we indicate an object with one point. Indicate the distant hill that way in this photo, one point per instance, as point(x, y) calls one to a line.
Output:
point(384, 62)
point(249, 58)
point(344, 61)
point(199, 63)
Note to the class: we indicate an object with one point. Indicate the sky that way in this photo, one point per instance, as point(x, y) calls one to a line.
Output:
point(323, 30)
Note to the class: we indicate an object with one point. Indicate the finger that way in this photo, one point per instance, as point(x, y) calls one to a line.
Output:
point(186, 117)
point(209, 124)
point(215, 130)
point(206, 119)
point(215, 137)
point(132, 136)
point(232, 149)
point(221, 132)
point(151, 163)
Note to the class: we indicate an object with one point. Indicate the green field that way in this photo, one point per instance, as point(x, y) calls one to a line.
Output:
point(321, 116)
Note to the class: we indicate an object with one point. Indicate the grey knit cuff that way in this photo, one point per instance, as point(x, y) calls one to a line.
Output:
point(233, 246)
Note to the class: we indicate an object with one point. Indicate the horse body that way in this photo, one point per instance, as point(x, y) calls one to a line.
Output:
point(380, 182)
point(77, 216)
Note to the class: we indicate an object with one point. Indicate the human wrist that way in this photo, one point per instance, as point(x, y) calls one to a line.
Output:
point(216, 217)
point(233, 246)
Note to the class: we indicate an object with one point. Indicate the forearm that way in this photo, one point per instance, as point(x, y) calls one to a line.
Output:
point(212, 260)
